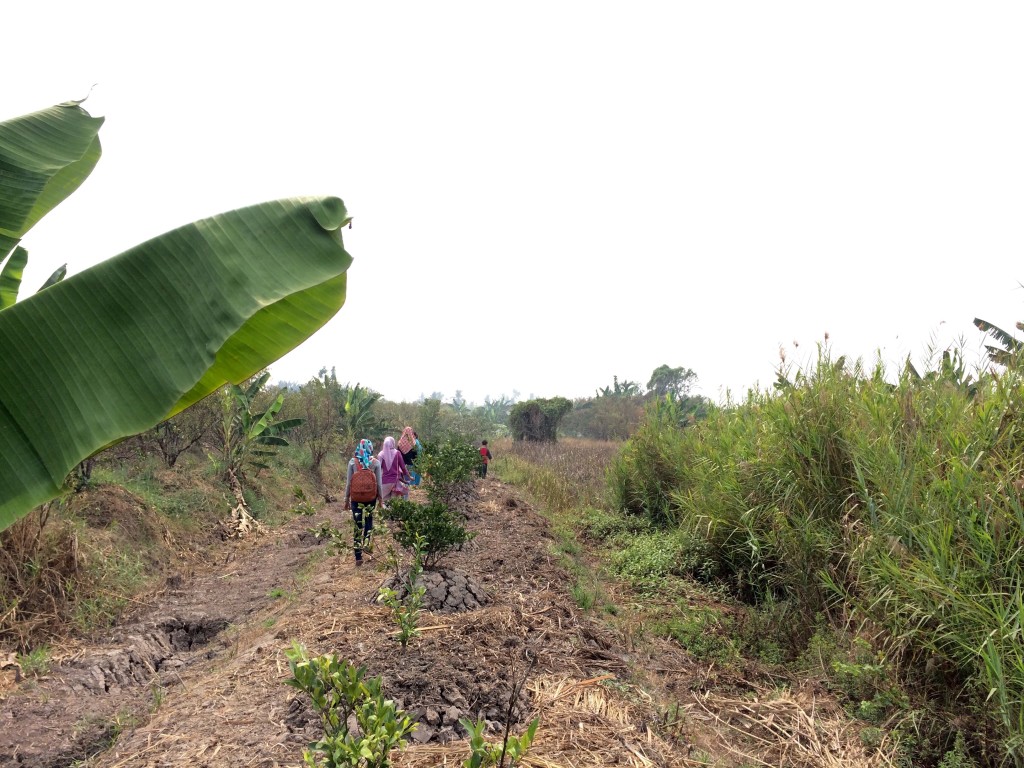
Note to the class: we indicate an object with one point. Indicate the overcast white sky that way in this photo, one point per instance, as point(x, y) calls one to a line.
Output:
point(566, 191)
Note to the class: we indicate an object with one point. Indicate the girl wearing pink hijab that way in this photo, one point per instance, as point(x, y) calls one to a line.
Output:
point(395, 477)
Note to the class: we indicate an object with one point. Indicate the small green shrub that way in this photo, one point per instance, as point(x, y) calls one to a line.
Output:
point(958, 756)
point(338, 691)
point(446, 464)
point(406, 612)
point(36, 662)
point(704, 633)
point(340, 541)
point(649, 558)
point(600, 525)
point(484, 754)
point(585, 598)
point(302, 506)
point(440, 529)
point(872, 737)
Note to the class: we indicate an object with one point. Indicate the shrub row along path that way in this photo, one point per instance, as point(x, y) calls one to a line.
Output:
point(196, 676)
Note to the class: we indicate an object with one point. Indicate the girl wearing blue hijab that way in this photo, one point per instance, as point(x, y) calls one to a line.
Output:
point(362, 491)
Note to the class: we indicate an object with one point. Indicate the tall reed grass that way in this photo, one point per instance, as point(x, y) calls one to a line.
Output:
point(892, 506)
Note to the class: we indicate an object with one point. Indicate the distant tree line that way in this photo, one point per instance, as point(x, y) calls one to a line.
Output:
point(615, 411)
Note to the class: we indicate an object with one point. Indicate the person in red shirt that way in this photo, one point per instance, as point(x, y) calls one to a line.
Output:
point(485, 458)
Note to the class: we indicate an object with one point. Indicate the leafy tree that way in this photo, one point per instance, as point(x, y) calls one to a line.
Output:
point(603, 418)
point(394, 417)
point(447, 465)
point(674, 381)
point(429, 419)
point(139, 338)
point(176, 435)
point(538, 419)
point(320, 400)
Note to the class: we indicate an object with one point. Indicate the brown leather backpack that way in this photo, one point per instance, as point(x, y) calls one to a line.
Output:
point(364, 484)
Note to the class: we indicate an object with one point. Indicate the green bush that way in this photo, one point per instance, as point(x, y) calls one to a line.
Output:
point(704, 633)
point(844, 489)
point(484, 754)
point(648, 559)
point(600, 525)
point(340, 691)
point(445, 465)
point(440, 530)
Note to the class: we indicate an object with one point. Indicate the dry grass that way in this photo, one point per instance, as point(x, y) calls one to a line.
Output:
point(569, 473)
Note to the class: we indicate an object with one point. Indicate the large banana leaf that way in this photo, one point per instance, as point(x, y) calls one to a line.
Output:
point(117, 348)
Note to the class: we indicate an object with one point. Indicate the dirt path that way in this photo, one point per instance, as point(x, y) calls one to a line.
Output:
point(197, 679)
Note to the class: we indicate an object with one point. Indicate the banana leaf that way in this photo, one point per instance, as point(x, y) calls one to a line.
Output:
point(44, 157)
point(111, 351)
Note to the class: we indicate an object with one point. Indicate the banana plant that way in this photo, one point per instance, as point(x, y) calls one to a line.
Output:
point(1009, 348)
point(113, 350)
point(250, 436)
point(357, 415)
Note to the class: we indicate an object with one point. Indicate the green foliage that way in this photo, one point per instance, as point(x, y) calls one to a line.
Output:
point(703, 632)
point(446, 465)
point(603, 418)
point(250, 436)
point(406, 611)
point(585, 598)
point(340, 542)
point(538, 419)
point(321, 403)
point(671, 381)
point(302, 506)
point(617, 411)
point(429, 419)
point(35, 663)
point(958, 757)
point(140, 337)
point(338, 691)
point(358, 418)
point(647, 559)
point(600, 524)
point(114, 577)
point(1009, 349)
point(650, 467)
point(843, 490)
point(431, 529)
point(484, 754)
point(624, 388)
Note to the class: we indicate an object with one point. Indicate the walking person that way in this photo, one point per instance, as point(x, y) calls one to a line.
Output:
point(485, 459)
point(394, 474)
point(363, 489)
point(409, 447)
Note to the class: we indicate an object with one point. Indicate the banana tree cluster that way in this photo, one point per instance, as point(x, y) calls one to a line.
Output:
point(113, 350)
